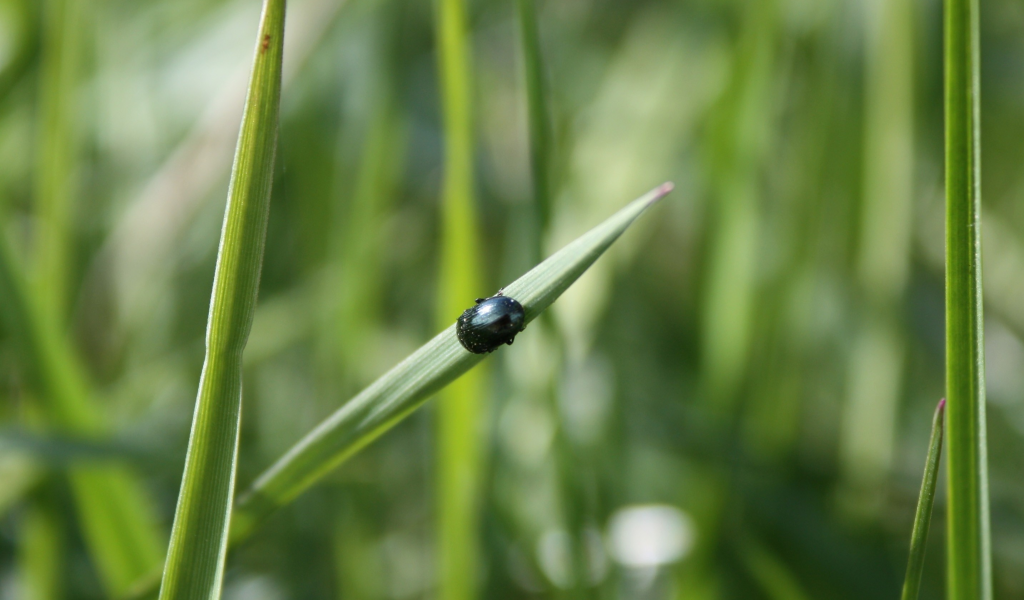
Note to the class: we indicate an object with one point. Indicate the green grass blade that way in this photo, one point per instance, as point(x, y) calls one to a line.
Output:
point(354, 297)
point(195, 558)
point(26, 47)
point(878, 356)
point(117, 520)
point(43, 548)
point(56, 159)
point(569, 490)
point(740, 139)
point(408, 385)
point(923, 515)
point(459, 447)
point(537, 111)
point(969, 566)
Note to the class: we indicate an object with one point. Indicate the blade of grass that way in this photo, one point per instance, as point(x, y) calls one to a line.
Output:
point(195, 558)
point(459, 440)
point(740, 141)
point(537, 113)
point(883, 256)
point(26, 47)
point(408, 385)
point(42, 548)
point(354, 298)
point(923, 515)
point(117, 521)
point(116, 518)
point(55, 162)
point(571, 506)
point(969, 566)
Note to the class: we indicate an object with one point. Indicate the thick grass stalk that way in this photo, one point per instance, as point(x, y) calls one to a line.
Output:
point(969, 566)
point(459, 449)
point(195, 558)
point(407, 386)
point(923, 515)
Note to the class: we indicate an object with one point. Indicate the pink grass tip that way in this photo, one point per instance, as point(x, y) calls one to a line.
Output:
point(661, 191)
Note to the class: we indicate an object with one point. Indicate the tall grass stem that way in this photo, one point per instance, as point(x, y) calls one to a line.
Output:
point(195, 558)
point(969, 568)
point(459, 431)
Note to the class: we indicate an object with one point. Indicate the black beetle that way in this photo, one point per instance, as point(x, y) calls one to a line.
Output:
point(492, 322)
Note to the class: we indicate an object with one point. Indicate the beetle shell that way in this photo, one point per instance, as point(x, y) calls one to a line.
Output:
point(492, 322)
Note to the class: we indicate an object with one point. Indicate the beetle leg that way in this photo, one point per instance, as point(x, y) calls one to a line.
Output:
point(500, 292)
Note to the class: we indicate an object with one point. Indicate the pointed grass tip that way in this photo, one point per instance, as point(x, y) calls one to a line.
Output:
point(662, 191)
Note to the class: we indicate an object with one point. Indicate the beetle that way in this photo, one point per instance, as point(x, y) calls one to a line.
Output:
point(490, 323)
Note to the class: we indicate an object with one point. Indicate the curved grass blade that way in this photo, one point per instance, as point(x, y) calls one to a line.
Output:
point(969, 553)
point(195, 558)
point(407, 386)
point(923, 515)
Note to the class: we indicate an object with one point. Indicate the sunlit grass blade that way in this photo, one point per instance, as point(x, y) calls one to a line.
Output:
point(969, 554)
point(195, 558)
point(408, 385)
point(116, 518)
point(459, 447)
point(923, 515)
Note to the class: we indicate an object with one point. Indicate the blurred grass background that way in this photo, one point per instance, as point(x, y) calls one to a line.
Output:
point(735, 403)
